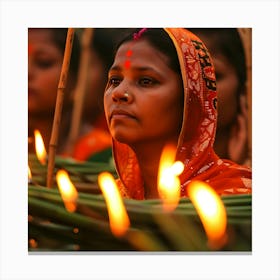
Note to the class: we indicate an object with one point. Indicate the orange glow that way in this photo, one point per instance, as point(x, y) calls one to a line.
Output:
point(29, 175)
point(67, 190)
point(40, 147)
point(168, 181)
point(30, 48)
point(211, 211)
point(33, 243)
point(118, 218)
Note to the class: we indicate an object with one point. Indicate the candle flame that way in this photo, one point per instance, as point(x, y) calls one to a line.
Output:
point(211, 211)
point(29, 174)
point(118, 218)
point(40, 147)
point(168, 181)
point(67, 190)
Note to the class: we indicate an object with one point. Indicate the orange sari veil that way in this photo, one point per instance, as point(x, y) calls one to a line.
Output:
point(195, 143)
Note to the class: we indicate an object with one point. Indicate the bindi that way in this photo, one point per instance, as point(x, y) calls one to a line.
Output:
point(127, 61)
point(136, 36)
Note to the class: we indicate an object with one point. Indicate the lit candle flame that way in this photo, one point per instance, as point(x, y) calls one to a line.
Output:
point(29, 175)
point(168, 181)
point(40, 147)
point(67, 190)
point(211, 211)
point(118, 218)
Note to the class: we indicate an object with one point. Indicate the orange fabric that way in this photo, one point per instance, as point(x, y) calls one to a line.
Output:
point(197, 135)
point(97, 140)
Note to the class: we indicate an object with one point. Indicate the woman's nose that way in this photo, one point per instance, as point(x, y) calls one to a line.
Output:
point(122, 96)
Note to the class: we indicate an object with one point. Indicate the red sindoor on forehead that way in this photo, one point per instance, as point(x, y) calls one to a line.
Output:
point(129, 53)
point(127, 62)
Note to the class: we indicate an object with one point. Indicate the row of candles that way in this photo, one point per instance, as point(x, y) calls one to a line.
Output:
point(207, 203)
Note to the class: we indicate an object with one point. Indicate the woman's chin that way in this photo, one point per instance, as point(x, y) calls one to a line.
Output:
point(123, 137)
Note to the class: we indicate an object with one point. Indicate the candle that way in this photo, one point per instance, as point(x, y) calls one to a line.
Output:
point(29, 175)
point(31, 180)
point(118, 218)
point(168, 180)
point(211, 211)
point(40, 147)
point(67, 190)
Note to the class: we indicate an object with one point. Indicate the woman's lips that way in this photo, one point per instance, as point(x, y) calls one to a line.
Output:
point(121, 114)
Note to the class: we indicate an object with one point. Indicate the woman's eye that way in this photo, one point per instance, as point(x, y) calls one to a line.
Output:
point(146, 81)
point(114, 81)
point(44, 64)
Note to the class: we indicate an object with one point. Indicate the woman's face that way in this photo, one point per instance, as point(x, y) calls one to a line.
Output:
point(227, 84)
point(227, 88)
point(44, 66)
point(153, 109)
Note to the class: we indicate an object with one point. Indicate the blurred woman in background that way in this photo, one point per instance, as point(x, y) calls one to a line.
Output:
point(45, 57)
point(227, 50)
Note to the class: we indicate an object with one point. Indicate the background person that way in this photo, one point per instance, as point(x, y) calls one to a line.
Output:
point(227, 51)
point(45, 57)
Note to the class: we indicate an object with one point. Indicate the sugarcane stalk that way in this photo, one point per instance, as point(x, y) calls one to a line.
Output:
point(59, 214)
point(179, 227)
point(145, 241)
point(80, 90)
point(139, 206)
point(59, 105)
point(173, 232)
point(140, 216)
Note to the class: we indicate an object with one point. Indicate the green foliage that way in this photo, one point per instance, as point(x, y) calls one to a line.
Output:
point(52, 228)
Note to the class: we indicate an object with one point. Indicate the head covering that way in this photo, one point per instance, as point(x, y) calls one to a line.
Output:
point(195, 143)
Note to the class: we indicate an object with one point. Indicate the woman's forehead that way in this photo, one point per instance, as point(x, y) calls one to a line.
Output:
point(140, 52)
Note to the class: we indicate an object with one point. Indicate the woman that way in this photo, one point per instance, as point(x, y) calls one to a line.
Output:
point(161, 90)
point(45, 56)
point(228, 55)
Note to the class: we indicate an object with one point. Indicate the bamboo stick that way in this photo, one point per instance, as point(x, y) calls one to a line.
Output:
point(80, 90)
point(59, 105)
